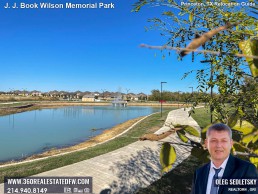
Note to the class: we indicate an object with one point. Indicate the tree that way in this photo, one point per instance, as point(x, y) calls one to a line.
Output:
point(155, 95)
point(228, 36)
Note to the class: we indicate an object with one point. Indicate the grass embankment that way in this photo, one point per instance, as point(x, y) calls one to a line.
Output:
point(13, 98)
point(10, 105)
point(148, 125)
point(179, 180)
point(17, 107)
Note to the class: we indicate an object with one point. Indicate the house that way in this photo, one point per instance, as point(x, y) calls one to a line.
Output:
point(78, 94)
point(130, 97)
point(35, 93)
point(54, 94)
point(142, 96)
point(89, 97)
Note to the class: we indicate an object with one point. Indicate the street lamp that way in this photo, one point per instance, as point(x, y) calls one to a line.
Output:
point(127, 90)
point(192, 93)
point(161, 101)
point(211, 78)
point(103, 90)
point(178, 99)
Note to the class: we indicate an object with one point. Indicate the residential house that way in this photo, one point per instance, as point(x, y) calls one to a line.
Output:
point(89, 97)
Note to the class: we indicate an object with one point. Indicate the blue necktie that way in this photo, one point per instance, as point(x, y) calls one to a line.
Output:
point(214, 188)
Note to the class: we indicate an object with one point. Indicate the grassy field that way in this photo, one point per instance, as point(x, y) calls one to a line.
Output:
point(148, 125)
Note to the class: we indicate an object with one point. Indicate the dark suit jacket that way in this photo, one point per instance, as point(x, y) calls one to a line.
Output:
point(235, 168)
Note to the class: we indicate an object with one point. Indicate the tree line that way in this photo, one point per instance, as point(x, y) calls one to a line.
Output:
point(177, 96)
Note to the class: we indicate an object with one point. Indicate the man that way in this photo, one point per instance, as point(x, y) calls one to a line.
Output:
point(219, 143)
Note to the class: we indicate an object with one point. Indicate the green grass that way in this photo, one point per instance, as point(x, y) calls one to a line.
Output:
point(31, 168)
point(202, 116)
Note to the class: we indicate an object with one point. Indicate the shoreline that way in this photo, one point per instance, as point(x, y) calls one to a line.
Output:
point(54, 104)
point(60, 104)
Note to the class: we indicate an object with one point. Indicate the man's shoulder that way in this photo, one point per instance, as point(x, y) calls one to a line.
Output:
point(203, 167)
point(240, 162)
point(240, 168)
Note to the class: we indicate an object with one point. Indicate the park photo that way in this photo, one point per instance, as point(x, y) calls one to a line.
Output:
point(129, 97)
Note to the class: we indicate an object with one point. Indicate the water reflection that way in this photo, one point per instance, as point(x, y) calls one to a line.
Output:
point(11, 121)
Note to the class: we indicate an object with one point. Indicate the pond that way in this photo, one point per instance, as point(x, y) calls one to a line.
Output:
point(28, 133)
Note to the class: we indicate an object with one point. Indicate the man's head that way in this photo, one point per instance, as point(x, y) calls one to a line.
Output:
point(219, 142)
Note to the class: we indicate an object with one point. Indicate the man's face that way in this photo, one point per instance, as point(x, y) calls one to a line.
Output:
point(219, 145)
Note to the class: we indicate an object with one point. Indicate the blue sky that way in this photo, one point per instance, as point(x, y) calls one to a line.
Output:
point(86, 49)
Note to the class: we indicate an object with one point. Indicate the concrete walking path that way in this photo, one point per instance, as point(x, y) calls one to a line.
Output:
point(131, 167)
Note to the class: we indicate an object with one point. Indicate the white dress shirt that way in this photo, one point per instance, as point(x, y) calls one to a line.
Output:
point(212, 173)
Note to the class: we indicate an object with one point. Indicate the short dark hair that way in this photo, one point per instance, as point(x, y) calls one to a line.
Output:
point(219, 127)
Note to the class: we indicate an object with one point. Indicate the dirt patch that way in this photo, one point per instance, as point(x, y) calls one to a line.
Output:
point(13, 110)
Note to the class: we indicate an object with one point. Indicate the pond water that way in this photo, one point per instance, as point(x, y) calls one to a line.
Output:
point(28, 133)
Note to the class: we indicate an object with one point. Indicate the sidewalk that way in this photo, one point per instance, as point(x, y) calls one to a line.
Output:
point(129, 168)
